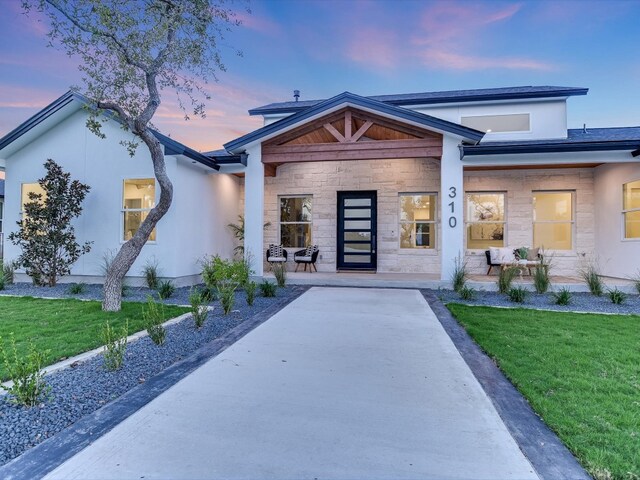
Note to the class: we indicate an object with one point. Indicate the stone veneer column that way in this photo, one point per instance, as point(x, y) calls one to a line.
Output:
point(254, 208)
point(451, 205)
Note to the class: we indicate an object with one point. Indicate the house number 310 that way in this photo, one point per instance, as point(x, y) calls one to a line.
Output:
point(453, 221)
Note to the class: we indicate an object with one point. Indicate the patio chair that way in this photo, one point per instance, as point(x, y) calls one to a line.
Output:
point(276, 254)
point(490, 263)
point(307, 256)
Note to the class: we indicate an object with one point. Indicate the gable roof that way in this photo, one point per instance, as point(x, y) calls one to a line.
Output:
point(413, 117)
point(172, 147)
point(578, 140)
point(432, 98)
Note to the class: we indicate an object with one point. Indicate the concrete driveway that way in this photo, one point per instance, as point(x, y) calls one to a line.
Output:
point(343, 383)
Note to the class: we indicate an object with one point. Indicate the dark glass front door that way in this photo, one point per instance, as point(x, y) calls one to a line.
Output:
point(357, 221)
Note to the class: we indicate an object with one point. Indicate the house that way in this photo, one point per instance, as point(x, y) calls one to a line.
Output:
point(396, 183)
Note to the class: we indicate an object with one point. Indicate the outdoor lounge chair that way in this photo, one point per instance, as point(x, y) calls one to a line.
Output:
point(511, 259)
point(276, 254)
point(307, 256)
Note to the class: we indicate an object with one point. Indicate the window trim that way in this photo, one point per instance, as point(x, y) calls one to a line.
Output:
point(501, 132)
point(280, 222)
point(624, 212)
point(467, 222)
point(435, 222)
point(573, 220)
point(123, 210)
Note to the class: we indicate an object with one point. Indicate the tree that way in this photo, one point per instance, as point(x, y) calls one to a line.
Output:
point(46, 236)
point(131, 51)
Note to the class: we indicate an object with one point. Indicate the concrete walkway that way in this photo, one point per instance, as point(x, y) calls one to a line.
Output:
point(343, 383)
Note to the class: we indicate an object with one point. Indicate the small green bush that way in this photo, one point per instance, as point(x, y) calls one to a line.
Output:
point(115, 345)
point(562, 296)
point(280, 272)
point(77, 288)
point(250, 291)
point(268, 289)
point(166, 289)
point(459, 274)
point(225, 276)
point(125, 289)
point(518, 294)
point(617, 296)
point(523, 253)
point(541, 280)
point(25, 372)
point(153, 316)
point(467, 293)
point(199, 310)
point(227, 298)
point(8, 271)
point(591, 276)
point(506, 278)
point(636, 281)
point(151, 273)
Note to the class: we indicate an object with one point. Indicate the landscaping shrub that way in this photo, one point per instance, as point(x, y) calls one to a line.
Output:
point(227, 298)
point(591, 276)
point(151, 273)
point(636, 281)
point(225, 276)
point(166, 289)
point(25, 372)
point(562, 296)
point(46, 235)
point(208, 294)
point(268, 289)
point(2, 280)
point(617, 296)
point(459, 274)
point(280, 272)
point(505, 278)
point(125, 290)
point(153, 316)
point(77, 288)
point(518, 294)
point(8, 271)
point(250, 291)
point(115, 345)
point(467, 293)
point(541, 280)
point(199, 310)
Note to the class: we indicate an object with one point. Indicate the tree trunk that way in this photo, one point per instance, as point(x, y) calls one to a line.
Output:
point(132, 248)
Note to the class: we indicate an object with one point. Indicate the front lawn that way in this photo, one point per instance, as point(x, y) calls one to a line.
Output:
point(65, 327)
point(580, 372)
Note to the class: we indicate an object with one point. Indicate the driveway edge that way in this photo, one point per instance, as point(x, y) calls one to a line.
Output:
point(550, 458)
point(40, 460)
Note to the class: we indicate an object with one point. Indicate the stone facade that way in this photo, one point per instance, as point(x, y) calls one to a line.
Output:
point(519, 186)
point(323, 180)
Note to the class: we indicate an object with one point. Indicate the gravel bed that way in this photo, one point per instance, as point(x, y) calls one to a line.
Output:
point(580, 302)
point(76, 392)
point(94, 292)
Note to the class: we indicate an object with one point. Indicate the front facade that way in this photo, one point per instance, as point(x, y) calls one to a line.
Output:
point(393, 184)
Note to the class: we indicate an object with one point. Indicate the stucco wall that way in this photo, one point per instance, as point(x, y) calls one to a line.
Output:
point(388, 177)
point(617, 257)
point(519, 186)
point(103, 165)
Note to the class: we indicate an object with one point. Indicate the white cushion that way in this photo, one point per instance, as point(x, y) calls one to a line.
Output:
point(303, 259)
point(494, 254)
point(501, 255)
point(276, 259)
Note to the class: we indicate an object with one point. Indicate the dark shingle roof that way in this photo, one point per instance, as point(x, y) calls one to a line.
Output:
point(430, 98)
point(578, 140)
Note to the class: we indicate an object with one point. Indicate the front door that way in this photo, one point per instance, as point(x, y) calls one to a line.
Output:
point(357, 222)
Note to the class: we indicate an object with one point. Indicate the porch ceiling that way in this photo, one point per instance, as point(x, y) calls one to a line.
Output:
point(350, 134)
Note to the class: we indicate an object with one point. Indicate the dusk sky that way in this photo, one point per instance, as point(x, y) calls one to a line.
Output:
point(370, 48)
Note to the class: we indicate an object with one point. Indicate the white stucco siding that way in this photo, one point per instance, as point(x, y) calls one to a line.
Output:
point(617, 257)
point(103, 164)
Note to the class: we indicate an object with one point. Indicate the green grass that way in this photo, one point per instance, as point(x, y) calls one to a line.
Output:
point(66, 327)
point(580, 372)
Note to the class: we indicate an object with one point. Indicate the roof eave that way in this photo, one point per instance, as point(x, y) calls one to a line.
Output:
point(479, 150)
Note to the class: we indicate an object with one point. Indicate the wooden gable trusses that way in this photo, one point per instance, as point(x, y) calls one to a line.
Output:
point(350, 134)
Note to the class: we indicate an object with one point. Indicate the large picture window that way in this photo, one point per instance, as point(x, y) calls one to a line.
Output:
point(139, 197)
point(485, 221)
point(30, 188)
point(418, 220)
point(295, 221)
point(631, 209)
point(553, 220)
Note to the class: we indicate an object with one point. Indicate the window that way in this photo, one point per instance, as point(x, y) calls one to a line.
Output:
point(295, 221)
point(485, 220)
point(139, 197)
point(1, 216)
point(417, 220)
point(518, 122)
point(28, 188)
point(631, 209)
point(553, 220)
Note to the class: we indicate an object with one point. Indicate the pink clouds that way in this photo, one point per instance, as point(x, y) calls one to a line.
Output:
point(373, 47)
point(261, 24)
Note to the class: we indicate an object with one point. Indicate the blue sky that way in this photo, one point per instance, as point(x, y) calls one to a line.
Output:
point(372, 47)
